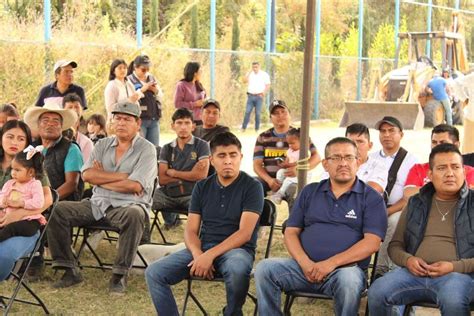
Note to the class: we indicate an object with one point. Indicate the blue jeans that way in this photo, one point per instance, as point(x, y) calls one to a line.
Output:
point(253, 101)
point(234, 266)
point(273, 276)
point(150, 130)
point(448, 112)
point(13, 249)
point(453, 292)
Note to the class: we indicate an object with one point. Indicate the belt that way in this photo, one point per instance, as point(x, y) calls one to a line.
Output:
point(257, 94)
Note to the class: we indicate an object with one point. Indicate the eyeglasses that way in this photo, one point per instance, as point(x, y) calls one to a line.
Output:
point(339, 159)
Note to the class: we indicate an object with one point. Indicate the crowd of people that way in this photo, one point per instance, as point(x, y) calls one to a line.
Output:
point(418, 217)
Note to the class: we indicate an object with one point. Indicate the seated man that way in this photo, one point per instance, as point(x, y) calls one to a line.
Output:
point(211, 112)
point(271, 146)
point(182, 162)
point(220, 235)
point(432, 243)
point(418, 175)
point(122, 169)
point(371, 171)
point(334, 228)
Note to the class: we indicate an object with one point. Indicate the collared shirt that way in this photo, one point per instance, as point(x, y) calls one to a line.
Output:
point(139, 162)
point(184, 160)
point(370, 171)
point(332, 225)
point(418, 175)
point(407, 164)
point(221, 207)
point(269, 146)
point(51, 94)
point(257, 82)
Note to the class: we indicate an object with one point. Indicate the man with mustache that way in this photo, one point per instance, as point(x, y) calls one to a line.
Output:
point(334, 228)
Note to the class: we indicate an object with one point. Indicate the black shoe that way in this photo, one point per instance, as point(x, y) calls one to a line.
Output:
point(172, 226)
point(34, 271)
point(70, 277)
point(118, 284)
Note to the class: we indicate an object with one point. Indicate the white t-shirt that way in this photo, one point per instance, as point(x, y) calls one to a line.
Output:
point(408, 162)
point(257, 82)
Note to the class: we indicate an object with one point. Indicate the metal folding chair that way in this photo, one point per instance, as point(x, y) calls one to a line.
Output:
point(20, 277)
point(410, 307)
point(267, 219)
point(291, 295)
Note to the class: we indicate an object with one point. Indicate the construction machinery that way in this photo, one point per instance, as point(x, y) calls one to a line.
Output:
point(402, 91)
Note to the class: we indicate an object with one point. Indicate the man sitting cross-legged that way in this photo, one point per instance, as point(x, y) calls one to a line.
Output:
point(225, 208)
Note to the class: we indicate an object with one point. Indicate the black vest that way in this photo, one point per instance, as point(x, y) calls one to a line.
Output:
point(54, 166)
point(417, 217)
point(153, 106)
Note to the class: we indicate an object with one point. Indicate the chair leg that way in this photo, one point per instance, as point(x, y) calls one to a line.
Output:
point(190, 294)
point(39, 301)
point(255, 302)
point(287, 306)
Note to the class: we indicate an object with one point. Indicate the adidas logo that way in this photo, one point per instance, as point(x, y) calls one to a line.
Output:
point(351, 214)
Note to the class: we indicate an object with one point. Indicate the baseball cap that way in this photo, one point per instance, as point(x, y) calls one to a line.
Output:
point(211, 102)
point(127, 107)
point(142, 60)
point(278, 103)
point(389, 120)
point(64, 63)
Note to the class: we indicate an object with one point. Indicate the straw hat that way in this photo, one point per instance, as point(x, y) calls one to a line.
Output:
point(33, 113)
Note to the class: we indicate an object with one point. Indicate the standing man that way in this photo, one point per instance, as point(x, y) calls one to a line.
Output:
point(397, 162)
point(432, 243)
point(220, 235)
point(211, 112)
point(334, 228)
point(122, 169)
point(258, 84)
point(182, 162)
point(63, 84)
point(271, 147)
point(440, 90)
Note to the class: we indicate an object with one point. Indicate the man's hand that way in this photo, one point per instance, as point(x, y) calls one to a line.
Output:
point(202, 266)
point(97, 165)
point(171, 173)
point(9, 218)
point(417, 266)
point(274, 184)
point(322, 269)
point(307, 268)
point(439, 268)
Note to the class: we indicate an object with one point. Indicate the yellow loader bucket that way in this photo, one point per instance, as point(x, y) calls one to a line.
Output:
point(369, 113)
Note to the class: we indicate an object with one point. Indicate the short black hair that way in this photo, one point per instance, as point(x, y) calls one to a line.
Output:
point(339, 140)
point(441, 149)
point(71, 97)
point(358, 129)
point(294, 132)
point(445, 128)
point(225, 139)
point(181, 113)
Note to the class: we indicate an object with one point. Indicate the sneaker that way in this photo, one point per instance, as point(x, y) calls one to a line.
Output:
point(276, 198)
point(70, 277)
point(118, 284)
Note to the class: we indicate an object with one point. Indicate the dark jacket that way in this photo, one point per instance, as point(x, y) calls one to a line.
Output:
point(417, 217)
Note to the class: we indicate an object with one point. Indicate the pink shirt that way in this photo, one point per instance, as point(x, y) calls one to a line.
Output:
point(85, 144)
point(185, 95)
point(292, 155)
point(30, 192)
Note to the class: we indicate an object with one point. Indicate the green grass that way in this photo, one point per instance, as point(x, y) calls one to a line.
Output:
point(91, 296)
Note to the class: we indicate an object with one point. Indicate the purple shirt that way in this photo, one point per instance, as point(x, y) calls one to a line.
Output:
point(185, 95)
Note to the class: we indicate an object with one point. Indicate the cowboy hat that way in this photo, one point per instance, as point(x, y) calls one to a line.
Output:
point(33, 114)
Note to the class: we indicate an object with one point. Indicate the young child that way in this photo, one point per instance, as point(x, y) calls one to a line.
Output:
point(23, 191)
point(96, 127)
point(292, 157)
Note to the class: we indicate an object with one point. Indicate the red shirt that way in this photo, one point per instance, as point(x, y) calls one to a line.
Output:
point(418, 175)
